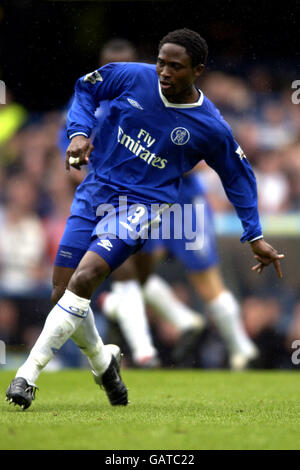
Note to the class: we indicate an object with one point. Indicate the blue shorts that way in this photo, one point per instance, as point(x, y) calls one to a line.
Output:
point(199, 259)
point(77, 240)
point(114, 233)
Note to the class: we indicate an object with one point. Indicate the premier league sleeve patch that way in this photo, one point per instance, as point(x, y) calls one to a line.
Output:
point(93, 77)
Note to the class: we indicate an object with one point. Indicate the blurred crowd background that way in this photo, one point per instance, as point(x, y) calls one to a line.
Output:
point(255, 97)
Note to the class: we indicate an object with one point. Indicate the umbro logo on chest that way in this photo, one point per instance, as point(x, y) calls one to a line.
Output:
point(135, 104)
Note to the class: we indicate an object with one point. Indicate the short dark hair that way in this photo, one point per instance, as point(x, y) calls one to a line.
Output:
point(195, 45)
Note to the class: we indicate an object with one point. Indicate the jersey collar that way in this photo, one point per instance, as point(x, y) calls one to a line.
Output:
point(168, 104)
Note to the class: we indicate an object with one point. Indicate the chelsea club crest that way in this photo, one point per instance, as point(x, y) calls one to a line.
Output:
point(180, 136)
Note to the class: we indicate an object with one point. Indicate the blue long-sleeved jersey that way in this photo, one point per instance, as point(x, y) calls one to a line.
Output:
point(145, 144)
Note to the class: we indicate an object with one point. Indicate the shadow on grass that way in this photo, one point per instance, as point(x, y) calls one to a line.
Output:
point(152, 410)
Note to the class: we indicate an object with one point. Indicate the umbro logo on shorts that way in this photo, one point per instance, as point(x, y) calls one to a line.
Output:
point(105, 244)
point(66, 254)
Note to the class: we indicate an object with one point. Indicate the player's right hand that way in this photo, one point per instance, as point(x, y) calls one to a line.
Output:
point(78, 152)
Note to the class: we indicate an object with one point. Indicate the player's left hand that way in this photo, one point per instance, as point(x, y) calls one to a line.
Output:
point(266, 254)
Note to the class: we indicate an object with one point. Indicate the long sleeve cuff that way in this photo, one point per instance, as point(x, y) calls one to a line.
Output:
point(78, 133)
point(256, 238)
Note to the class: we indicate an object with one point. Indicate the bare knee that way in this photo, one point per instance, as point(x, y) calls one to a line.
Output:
point(208, 284)
point(87, 278)
point(126, 271)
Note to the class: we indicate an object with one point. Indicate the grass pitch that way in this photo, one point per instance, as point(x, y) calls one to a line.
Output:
point(170, 409)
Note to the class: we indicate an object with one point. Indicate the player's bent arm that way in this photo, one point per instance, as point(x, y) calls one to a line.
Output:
point(106, 83)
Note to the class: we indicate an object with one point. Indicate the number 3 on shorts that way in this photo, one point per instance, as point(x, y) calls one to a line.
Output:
point(135, 218)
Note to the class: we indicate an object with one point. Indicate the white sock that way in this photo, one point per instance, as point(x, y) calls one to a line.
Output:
point(88, 340)
point(225, 312)
point(112, 300)
point(161, 297)
point(125, 304)
point(62, 321)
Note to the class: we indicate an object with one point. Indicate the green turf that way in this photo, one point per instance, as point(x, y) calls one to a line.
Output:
point(170, 409)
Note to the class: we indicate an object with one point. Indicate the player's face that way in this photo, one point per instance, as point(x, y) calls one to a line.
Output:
point(176, 74)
